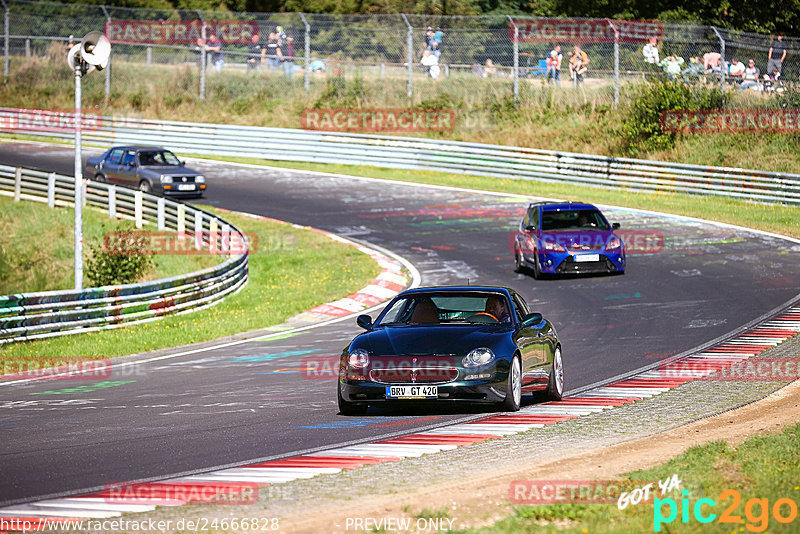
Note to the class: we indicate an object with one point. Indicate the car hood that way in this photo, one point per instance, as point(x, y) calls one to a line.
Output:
point(431, 340)
point(170, 170)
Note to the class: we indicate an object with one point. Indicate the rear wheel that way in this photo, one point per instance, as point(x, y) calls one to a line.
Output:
point(513, 387)
point(349, 408)
point(144, 186)
point(555, 385)
point(99, 177)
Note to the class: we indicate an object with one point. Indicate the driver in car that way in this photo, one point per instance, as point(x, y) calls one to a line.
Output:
point(496, 308)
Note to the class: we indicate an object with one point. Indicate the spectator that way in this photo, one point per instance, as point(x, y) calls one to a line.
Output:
point(751, 75)
point(317, 65)
point(255, 54)
point(736, 69)
point(650, 52)
point(273, 43)
point(554, 65)
point(286, 52)
point(552, 68)
point(776, 55)
point(214, 48)
point(428, 37)
point(672, 66)
point(431, 63)
point(712, 62)
point(435, 44)
point(772, 83)
point(198, 50)
point(489, 69)
point(693, 70)
point(434, 49)
point(578, 64)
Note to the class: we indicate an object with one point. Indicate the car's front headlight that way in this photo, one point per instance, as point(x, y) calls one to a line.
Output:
point(200, 179)
point(552, 246)
point(358, 359)
point(165, 179)
point(478, 357)
point(613, 243)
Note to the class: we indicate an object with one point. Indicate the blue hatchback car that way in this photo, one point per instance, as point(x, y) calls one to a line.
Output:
point(567, 237)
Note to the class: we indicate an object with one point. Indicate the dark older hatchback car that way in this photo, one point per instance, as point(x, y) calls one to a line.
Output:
point(150, 169)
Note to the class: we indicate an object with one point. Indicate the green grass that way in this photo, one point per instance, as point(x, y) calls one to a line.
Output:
point(36, 248)
point(292, 270)
point(763, 467)
point(769, 217)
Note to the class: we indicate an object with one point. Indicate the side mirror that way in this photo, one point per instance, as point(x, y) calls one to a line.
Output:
point(183, 163)
point(364, 321)
point(615, 226)
point(531, 319)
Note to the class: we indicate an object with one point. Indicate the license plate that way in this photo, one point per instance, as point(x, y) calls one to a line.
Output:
point(411, 392)
point(588, 257)
point(185, 187)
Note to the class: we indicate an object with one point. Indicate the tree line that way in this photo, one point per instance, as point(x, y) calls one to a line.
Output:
point(776, 16)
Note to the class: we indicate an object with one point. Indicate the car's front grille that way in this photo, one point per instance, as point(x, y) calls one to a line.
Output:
point(413, 375)
point(183, 179)
point(569, 265)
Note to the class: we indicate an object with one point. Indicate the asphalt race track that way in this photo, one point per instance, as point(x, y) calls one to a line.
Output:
point(249, 401)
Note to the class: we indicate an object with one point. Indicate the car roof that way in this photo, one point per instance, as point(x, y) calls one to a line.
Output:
point(459, 289)
point(563, 205)
point(138, 147)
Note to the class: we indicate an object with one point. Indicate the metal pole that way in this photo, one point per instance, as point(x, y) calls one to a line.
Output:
point(307, 80)
point(410, 44)
point(78, 184)
point(108, 68)
point(721, 61)
point(516, 58)
point(202, 57)
point(616, 63)
point(5, 40)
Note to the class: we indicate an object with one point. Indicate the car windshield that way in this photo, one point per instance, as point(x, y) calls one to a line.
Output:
point(444, 308)
point(587, 219)
point(158, 158)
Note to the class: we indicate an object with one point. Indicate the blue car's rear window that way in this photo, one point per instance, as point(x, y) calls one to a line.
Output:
point(573, 220)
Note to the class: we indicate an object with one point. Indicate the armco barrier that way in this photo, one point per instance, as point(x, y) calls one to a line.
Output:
point(427, 154)
point(52, 313)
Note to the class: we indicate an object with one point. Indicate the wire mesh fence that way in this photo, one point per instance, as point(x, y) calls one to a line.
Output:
point(417, 57)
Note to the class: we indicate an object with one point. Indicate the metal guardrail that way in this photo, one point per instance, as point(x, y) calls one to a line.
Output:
point(437, 155)
point(51, 313)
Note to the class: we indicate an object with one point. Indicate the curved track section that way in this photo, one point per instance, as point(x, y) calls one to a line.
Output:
point(234, 404)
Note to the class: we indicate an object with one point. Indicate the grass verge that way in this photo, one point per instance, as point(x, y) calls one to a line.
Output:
point(281, 285)
point(761, 471)
point(769, 217)
point(36, 248)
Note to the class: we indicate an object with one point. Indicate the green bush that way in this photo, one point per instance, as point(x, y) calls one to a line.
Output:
point(641, 126)
point(120, 259)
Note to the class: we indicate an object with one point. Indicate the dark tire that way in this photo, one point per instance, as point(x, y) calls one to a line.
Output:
point(513, 387)
point(555, 385)
point(537, 272)
point(100, 178)
point(349, 408)
point(519, 264)
point(144, 186)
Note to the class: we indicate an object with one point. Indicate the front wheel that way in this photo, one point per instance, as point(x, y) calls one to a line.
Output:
point(519, 264)
point(100, 178)
point(513, 387)
point(144, 186)
point(537, 271)
point(349, 408)
point(555, 385)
